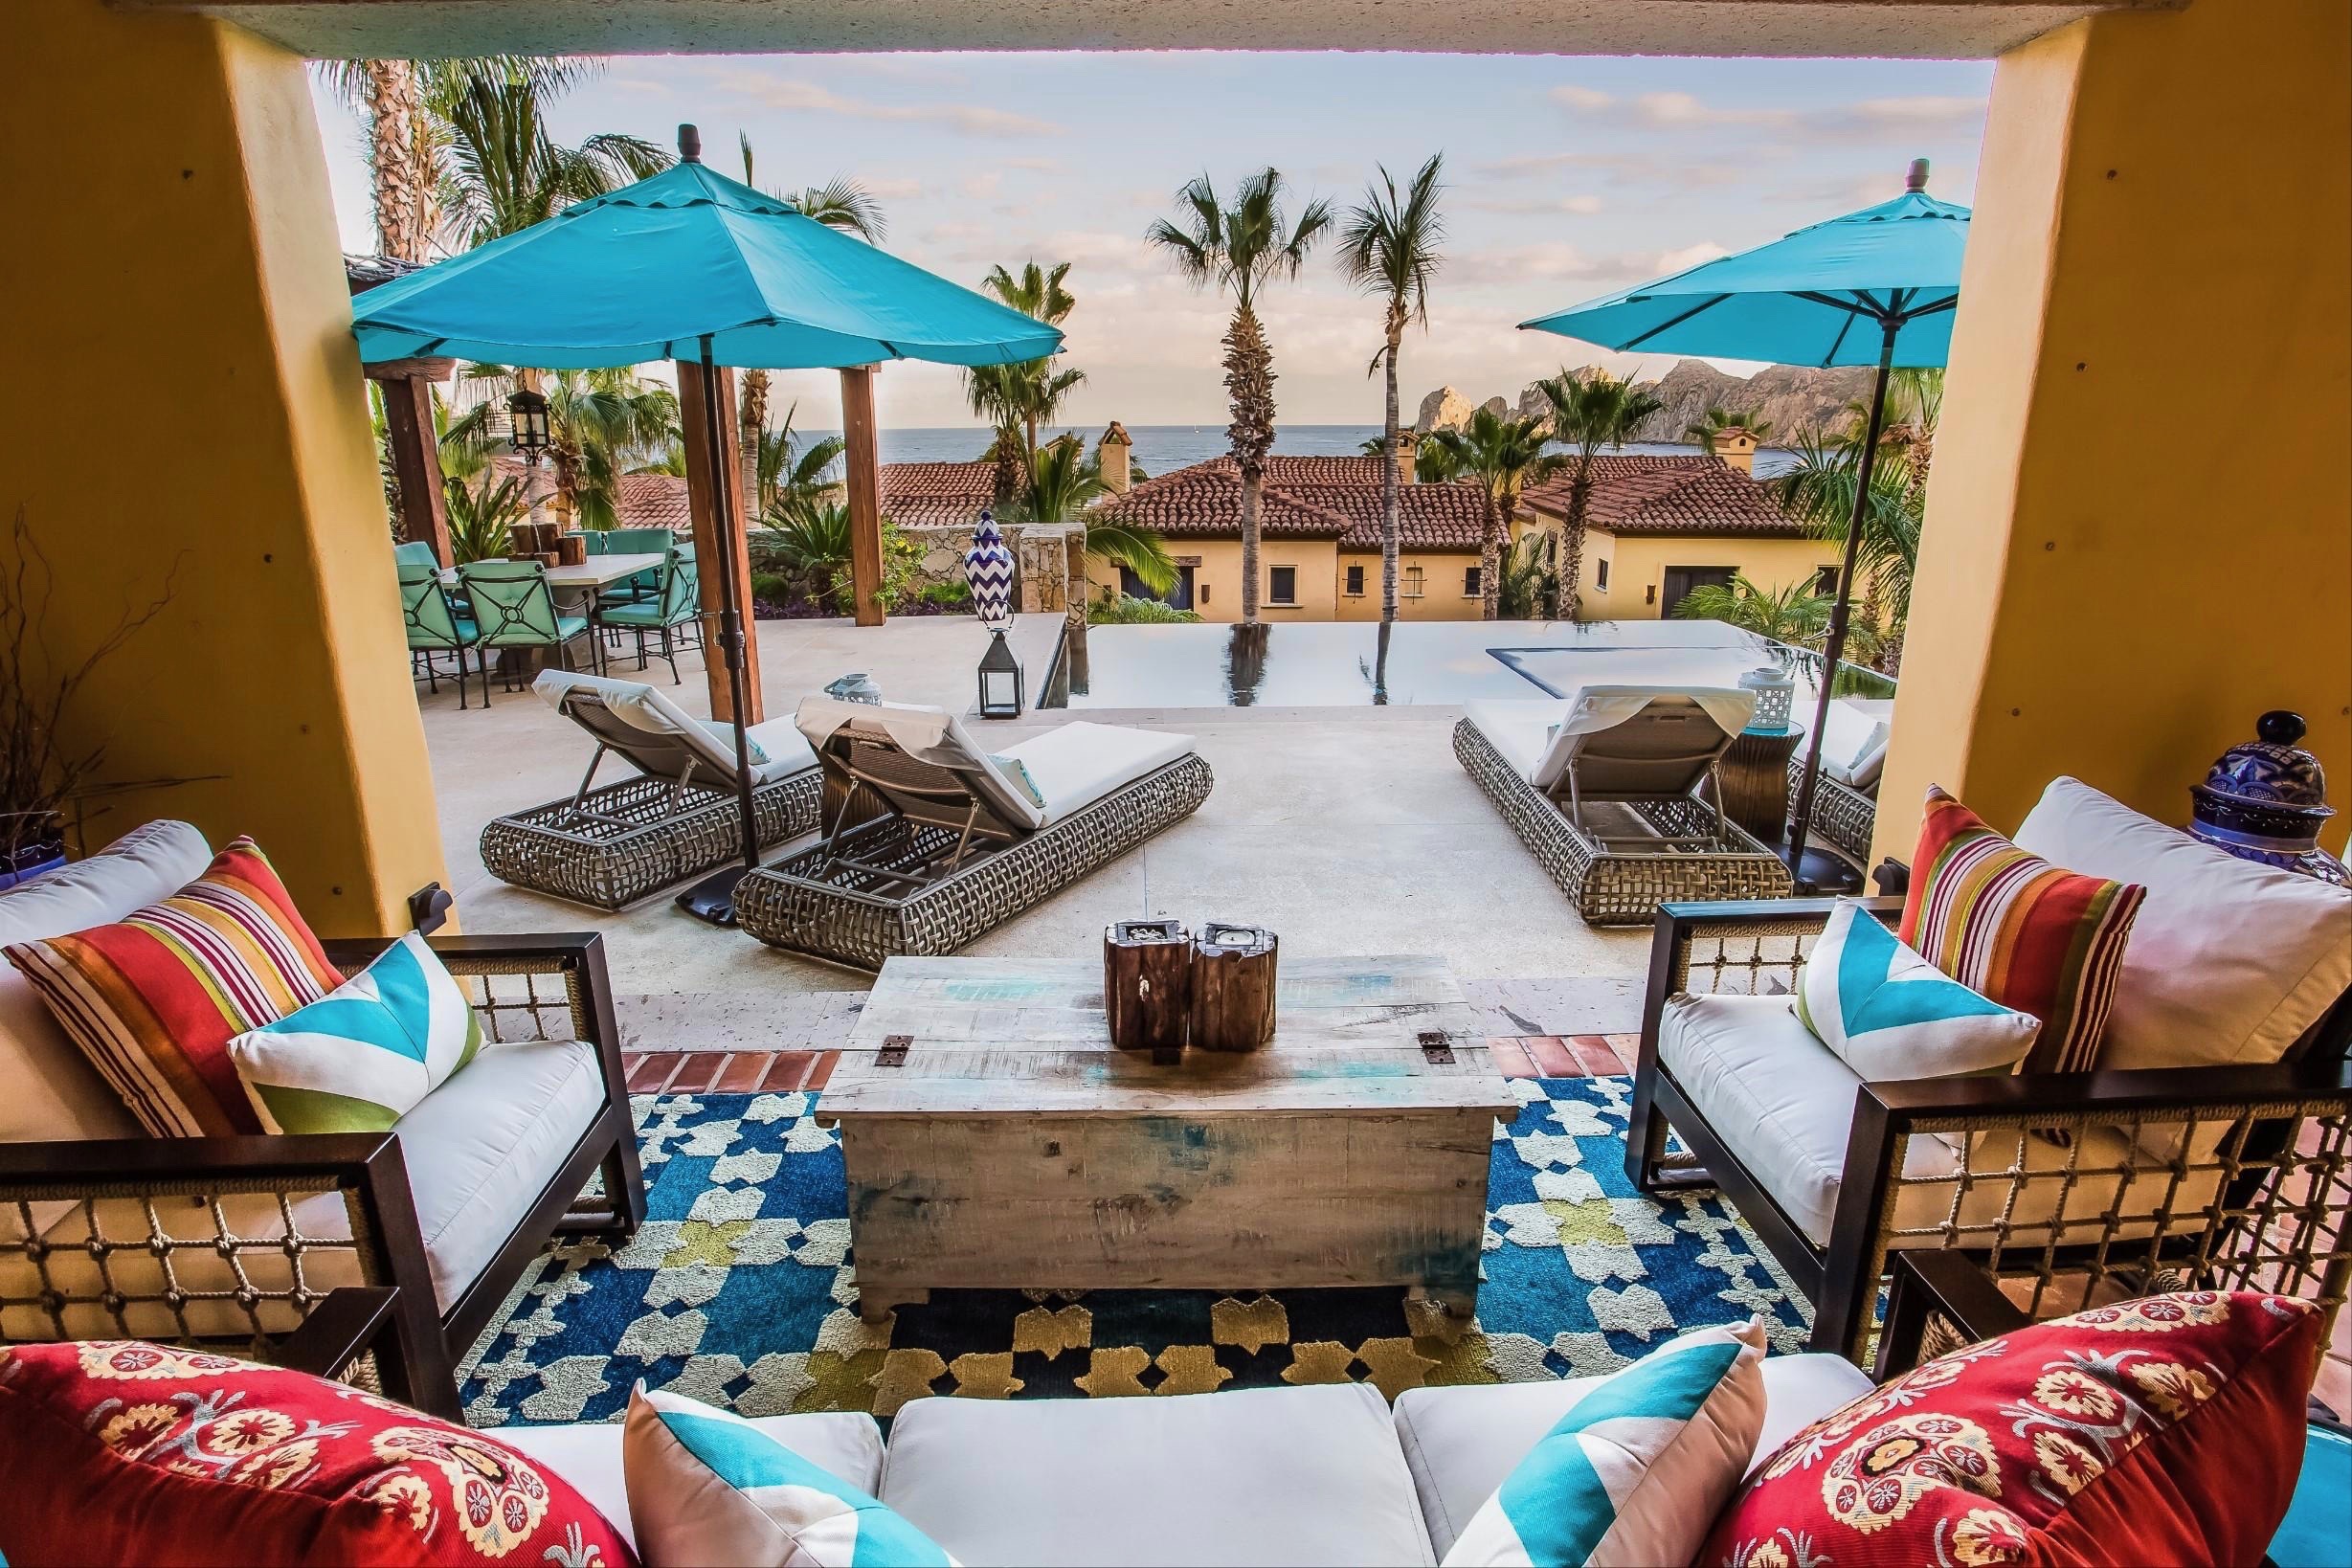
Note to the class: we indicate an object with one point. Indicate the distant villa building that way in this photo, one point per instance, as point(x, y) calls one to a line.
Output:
point(1657, 527)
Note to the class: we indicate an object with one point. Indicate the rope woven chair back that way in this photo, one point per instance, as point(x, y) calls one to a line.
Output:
point(1663, 750)
point(511, 601)
point(424, 607)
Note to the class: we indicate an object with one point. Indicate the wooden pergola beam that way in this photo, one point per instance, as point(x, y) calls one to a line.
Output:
point(864, 487)
point(702, 490)
point(416, 460)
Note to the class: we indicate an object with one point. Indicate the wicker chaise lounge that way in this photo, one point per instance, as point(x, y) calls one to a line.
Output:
point(612, 845)
point(1605, 789)
point(1853, 749)
point(930, 842)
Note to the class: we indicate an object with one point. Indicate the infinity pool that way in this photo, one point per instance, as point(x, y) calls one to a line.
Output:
point(1339, 664)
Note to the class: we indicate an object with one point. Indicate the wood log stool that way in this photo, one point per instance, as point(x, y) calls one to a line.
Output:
point(1147, 987)
point(1233, 987)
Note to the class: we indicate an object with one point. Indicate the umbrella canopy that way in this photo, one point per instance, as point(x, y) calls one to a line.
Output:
point(652, 271)
point(1816, 297)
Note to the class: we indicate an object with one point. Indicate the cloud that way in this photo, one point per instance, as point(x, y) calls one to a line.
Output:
point(1538, 206)
point(982, 185)
point(971, 119)
point(893, 189)
point(1926, 114)
point(1587, 99)
point(1036, 165)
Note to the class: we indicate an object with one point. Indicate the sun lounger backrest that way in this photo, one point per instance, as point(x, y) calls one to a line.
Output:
point(1638, 741)
point(635, 719)
point(930, 735)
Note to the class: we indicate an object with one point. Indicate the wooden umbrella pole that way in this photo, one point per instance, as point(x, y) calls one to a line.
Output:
point(730, 610)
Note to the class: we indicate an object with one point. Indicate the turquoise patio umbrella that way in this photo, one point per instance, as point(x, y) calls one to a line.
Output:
point(690, 265)
point(1873, 287)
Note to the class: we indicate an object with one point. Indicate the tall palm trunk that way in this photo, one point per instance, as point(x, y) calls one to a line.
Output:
point(1392, 500)
point(1491, 558)
point(396, 134)
point(752, 418)
point(1571, 541)
point(1249, 383)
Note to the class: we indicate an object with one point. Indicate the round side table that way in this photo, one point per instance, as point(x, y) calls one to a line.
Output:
point(1755, 777)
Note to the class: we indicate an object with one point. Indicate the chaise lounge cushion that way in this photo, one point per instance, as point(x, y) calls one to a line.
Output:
point(1269, 1476)
point(1520, 729)
point(1077, 764)
point(589, 1454)
point(52, 1089)
point(1783, 1104)
point(777, 749)
point(1460, 1442)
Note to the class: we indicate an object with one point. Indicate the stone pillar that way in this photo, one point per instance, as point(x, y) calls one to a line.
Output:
point(185, 243)
point(1114, 449)
point(2079, 607)
point(1043, 578)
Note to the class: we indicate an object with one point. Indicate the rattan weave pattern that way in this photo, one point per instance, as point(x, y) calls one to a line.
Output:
point(1842, 815)
point(633, 838)
point(854, 917)
point(1612, 889)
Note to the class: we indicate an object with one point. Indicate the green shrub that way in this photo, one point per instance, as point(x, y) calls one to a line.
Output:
point(954, 594)
point(1128, 611)
point(809, 546)
point(773, 586)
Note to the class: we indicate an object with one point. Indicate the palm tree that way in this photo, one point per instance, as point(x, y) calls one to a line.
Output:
point(1389, 247)
point(1590, 410)
point(793, 477)
point(1819, 490)
point(505, 172)
point(1242, 248)
point(600, 422)
point(1794, 613)
point(1067, 480)
point(1503, 454)
point(1715, 421)
point(1021, 397)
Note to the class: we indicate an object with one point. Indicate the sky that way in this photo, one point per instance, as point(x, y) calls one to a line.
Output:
point(1566, 178)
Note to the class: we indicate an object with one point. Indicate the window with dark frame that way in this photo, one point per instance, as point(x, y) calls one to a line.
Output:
point(1825, 583)
point(1281, 585)
point(1469, 582)
point(1355, 582)
point(1600, 576)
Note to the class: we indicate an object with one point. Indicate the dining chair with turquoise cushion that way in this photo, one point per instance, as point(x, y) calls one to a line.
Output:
point(673, 611)
point(634, 542)
point(414, 552)
point(514, 608)
point(436, 625)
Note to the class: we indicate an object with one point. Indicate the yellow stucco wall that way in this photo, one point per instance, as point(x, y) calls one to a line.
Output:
point(189, 396)
point(1441, 578)
point(2163, 230)
point(1638, 567)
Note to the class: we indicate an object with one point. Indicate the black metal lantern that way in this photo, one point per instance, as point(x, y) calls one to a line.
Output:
point(529, 413)
point(999, 679)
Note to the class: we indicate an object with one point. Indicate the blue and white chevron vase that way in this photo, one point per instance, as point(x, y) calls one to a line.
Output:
point(988, 565)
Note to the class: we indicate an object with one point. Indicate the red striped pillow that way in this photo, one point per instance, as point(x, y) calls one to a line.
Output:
point(2019, 931)
point(154, 998)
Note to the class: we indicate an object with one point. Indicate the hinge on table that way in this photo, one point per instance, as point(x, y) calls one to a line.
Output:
point(893, 1052)
point(1435, 1046)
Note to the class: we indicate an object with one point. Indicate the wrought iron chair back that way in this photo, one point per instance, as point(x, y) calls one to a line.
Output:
point(426, 612)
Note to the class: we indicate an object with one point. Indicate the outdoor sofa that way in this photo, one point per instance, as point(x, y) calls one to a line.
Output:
point(1615, 790)
point(931, 841)
point(610, 845)
point(2215, 1142)
point(108, 1233)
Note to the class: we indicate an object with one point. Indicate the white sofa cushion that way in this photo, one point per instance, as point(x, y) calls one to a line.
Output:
point(1077, 764)
point(1783, 1104)
point(1460, 1442)
point(2228, 962)
point(483, 1146)
point(51, 1091)
point(1268, 1476)
point(588, 1454)
point(1853, 745)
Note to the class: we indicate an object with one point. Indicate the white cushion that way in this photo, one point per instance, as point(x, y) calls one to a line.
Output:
point(787, 749)
point(1460, 1442)
point(1853, 746)
point(1519, 728)
point(2228, 962)
point(645, 708)
point(588, 1454)
point(1260, 1476)
point(483, 1146)
point(926, 734)
point(1078, 764)
point(1783, 1104)
point(50, 1090)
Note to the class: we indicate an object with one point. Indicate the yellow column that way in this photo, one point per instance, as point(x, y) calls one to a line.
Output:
point(2138, 534)
point(185, 407)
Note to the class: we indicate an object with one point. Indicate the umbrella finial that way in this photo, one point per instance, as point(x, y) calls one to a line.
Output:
point(1916, 182)
point(690, 144)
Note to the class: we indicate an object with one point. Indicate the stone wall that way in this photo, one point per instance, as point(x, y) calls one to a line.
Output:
point(1041, 555)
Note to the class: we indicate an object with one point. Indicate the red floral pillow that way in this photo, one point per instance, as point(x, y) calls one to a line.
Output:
point(2166, 1430)
point(117, 1451)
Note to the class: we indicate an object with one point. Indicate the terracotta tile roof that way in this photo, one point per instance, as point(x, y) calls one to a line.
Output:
point(918, 495)
point(1305, 498)
point(1636, 494)
point(646, 500)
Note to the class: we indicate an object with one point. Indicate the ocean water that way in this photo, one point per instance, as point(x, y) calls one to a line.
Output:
point(1161, 449)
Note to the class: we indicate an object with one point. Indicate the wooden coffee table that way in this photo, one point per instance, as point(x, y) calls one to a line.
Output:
point(995, 1139)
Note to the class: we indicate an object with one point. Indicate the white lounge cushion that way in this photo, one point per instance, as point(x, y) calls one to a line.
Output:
point(1258, 1476)
point(646, 707)
point(1520, 729)
point(483, 1146)
point(787, 750)
point(588, 1454)
point(1078, 764)
point(2228, 962)
point(926, 734)
point(1783, 1103)
point(1853, 745)
point(1460, 1443)
point(50, 1090)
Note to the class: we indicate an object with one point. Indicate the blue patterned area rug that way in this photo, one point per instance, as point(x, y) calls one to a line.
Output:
point(739, 1290)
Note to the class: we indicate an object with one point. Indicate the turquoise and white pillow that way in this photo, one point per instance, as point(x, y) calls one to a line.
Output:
point(367, 1053)
point(1017, 773)
point(1638, 1470)
point(708, 1485)
point(1888, 1013)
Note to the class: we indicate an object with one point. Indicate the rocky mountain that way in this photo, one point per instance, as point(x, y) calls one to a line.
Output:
point(1789, 398)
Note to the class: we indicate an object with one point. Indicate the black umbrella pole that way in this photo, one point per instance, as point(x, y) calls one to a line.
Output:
point(1800, 820)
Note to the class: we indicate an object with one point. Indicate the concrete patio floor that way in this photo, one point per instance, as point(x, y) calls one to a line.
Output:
point(1348, 831)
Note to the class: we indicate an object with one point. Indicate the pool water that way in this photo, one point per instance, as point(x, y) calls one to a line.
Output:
point(1341, 663)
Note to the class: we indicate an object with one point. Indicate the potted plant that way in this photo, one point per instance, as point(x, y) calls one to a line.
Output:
point(41, 774)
